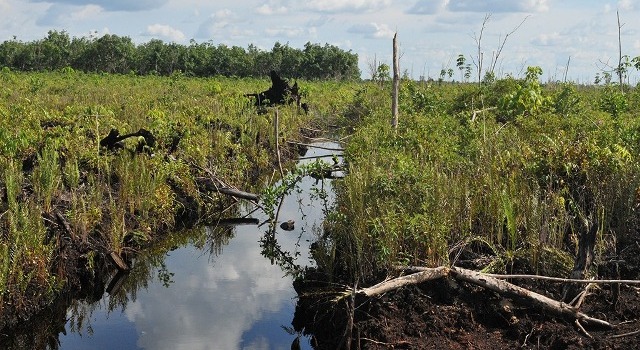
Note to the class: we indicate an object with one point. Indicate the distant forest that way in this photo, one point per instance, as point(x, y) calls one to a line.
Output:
point(118, 54)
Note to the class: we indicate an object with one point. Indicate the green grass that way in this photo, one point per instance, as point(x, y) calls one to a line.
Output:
point(51, 163)
point(521, 180)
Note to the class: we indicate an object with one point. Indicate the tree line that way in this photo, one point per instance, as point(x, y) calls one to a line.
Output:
point(120, 55)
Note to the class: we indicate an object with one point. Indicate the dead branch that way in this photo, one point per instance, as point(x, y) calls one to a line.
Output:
point(208, 184)
point(238, 194)
point(473, 117)
point(501, 46)
point(625, 334)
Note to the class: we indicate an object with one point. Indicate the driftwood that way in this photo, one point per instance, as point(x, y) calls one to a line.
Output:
point(279, 93)
point(489, 282)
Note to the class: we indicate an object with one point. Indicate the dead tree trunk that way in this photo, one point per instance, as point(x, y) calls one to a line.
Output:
point(583, 260)
point(396, 83)
point(279, 93)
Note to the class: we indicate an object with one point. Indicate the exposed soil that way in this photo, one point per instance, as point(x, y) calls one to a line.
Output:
point(445, 314)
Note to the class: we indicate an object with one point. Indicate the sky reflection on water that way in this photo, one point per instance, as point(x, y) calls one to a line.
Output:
point(235, 300)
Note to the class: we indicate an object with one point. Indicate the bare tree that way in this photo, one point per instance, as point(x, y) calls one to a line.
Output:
point(396, 83)
point(501, 45)
point(372, 66)
point(496, 54)
point(622, 66)
point(478, 39)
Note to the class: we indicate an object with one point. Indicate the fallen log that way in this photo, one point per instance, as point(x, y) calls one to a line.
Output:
point(486, 281)
point(506, 288)
point(316, 146)
point(208, 185)
point(414, 278)
point(413, 269)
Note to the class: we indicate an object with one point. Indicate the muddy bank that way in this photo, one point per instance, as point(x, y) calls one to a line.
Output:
point(86, 266)
point(446, 314)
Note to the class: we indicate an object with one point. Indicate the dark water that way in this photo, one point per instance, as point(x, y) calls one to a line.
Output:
point(210, 295)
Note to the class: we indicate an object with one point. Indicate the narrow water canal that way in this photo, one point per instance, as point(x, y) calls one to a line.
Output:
point(225, 297)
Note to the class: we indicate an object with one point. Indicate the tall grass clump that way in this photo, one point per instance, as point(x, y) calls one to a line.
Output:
point(519, 181)
point(60, 185)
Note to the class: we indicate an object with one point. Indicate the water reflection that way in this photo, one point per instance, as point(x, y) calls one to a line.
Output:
point(214, 291)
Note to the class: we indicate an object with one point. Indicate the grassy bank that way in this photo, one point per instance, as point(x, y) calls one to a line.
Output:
point(513, 185)
point(69, 204)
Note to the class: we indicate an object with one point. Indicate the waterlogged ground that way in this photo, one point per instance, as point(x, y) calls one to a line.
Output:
point(228, 297)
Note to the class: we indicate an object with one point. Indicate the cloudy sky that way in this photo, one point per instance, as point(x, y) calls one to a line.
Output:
point(431, 33)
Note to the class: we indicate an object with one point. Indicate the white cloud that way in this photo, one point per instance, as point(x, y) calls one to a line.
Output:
point(319, 22)
point(4, 5)
point(549, 39)
point(427, 7)
point(268, 10)
point(372, 30)
point(346, 5)
point(165, 31)
point(289, 32)
point(496, 6)
point(627, 5)
point(113, 5)
point(85, 12)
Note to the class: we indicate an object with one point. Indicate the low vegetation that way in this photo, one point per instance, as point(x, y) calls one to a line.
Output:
point(506, 176)
point(69, 206)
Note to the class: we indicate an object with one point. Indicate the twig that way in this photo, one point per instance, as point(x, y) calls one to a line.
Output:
point(582, 329)
point(473, 117)
point(535, 277)
point(564, 280)
point(582, 296)
point(376, 342)
point(625, 334)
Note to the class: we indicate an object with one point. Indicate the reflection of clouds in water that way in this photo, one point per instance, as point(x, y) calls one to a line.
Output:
point(211, 306)
point(216, 305)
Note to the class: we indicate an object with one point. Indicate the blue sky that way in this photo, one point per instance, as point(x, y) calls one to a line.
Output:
point(431, 33)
